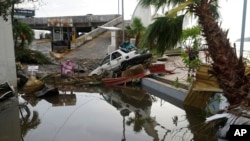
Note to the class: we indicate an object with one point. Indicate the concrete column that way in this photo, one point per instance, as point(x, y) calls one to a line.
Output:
point(113, 38)
point(9, 114)
point(7, 55)
point(74, 34)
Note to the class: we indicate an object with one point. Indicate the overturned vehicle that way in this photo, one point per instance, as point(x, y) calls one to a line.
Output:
point(119, 60)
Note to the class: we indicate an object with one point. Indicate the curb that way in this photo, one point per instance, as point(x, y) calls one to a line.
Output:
point(158, 86)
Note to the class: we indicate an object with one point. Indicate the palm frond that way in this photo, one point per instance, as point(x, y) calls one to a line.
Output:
point(161, 3)
point(164, 33)
point(214, 8)
point(156, 3)
point(137, 25)
point(21, 29)
point(173, 12)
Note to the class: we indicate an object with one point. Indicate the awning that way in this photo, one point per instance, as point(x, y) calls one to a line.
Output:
point(110, 28)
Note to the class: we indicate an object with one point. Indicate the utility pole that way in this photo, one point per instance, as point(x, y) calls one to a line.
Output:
point(243, 27)
point(118, 7)
point(122, 21)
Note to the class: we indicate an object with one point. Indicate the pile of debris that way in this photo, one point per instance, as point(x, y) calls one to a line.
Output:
point(38, 81)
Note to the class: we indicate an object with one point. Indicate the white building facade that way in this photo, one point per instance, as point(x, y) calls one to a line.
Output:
point(7, 55)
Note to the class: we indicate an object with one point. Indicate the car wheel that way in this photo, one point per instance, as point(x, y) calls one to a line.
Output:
point(124, 65)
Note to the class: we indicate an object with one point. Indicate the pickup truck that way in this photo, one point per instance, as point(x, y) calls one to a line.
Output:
point(120, 59)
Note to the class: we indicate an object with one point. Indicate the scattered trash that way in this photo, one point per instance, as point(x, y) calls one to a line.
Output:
point(32, 85)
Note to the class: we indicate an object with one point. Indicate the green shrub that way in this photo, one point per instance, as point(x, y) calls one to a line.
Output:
point(28, 56)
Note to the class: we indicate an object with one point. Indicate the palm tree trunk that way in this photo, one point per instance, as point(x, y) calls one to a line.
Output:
point(137, 39)
point(227, 67)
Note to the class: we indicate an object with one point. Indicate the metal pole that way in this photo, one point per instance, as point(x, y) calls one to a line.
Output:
point(243, 28)
point(118, 7)
point(122, 21)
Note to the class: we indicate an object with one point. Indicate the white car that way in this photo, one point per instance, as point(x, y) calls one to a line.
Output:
point(119, 60)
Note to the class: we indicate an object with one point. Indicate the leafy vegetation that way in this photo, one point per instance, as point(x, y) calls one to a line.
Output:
point(5, 9)
point(136, 30)
point(176, 83)
point(28, 56)
point(166, 31)
point(163, 34)
point(191, 39)
point(23, 36)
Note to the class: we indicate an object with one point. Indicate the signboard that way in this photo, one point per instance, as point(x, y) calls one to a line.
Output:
point(24, 12)
point(32, 69)
point(68, 67)
point(60, 22)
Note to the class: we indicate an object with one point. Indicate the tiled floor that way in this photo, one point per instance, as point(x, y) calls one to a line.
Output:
point(180, 70)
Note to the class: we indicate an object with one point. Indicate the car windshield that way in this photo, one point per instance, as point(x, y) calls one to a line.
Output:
point(106, 60)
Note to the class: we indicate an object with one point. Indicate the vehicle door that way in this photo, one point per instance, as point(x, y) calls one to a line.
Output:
point(106, 65)
point(116, 58)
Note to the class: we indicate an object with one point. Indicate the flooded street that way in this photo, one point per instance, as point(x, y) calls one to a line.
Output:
point(108, 114)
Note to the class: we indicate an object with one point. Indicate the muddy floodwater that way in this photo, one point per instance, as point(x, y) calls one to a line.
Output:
point(109, 114)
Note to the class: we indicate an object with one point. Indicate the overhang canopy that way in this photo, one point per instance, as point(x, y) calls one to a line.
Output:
point(110, 28)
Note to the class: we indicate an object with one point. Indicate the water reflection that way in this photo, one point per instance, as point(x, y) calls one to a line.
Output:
point(58, 100)
point(28, 120)
point(199, 129)
point(128, 100)
point(106, 114)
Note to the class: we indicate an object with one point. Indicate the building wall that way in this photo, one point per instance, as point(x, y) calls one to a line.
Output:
point(7, 57)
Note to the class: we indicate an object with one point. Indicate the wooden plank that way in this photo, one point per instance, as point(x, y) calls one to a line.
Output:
point(205, 76)
point(197, 99)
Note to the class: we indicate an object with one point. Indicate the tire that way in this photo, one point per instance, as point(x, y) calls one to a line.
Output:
point(124, 65)
point(140, 59)
point(135, 61)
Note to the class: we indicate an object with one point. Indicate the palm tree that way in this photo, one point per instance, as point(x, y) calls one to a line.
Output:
point(23, 36)
point(136, 29)
point(23, 33)
point(227, 67)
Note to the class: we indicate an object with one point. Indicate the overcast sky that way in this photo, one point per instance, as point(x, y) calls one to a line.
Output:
point(231, 11)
